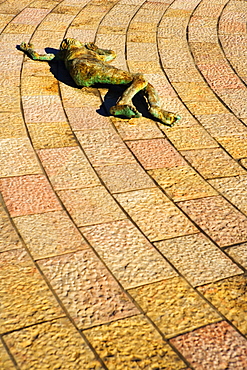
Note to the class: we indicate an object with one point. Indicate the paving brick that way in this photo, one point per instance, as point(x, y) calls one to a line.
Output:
point(31, 16)
point(222, 125)
point(56, 22)
point(104, 147)
point(182, 183)
point(29, 194)
point(234, 189)
point(25, 297)
point(212, 163)
point(91, 206)
point(137, 128)
point(51, 135)
point(124, 177)
point(218, 218)
point(214, 107)
point(191, 138)
point(8, 236)
point(229, 297)
point(239, 254)
point(128, 254)
point(37, 85)
point(235, 145)
point(77, 97)
point(49, 234)
point(86, 118)
point(68, 168)
point(156, 153)
point(218, 346)
point(18, 158)
point(43, 108)
point(5, 361)
point(86, 288)
point(174, 306)
point(155, 214)
point(52, 344)
point(198, 259)
point(131, 344)
point(11, 125)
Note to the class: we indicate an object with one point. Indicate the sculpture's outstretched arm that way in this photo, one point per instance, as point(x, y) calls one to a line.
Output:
point(105, 55)
point(28, 48)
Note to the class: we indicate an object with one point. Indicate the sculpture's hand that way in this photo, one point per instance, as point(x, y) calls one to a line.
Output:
point(26, 46)
point(91, 46)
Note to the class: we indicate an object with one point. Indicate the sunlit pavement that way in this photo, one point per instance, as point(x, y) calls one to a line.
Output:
point(124, 242)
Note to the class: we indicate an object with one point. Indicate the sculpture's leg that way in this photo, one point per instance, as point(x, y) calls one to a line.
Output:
point(124, 106)
point(155, 110)
point(28, 48)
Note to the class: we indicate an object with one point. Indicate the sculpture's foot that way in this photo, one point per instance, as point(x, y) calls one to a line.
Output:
point(165, 117)
point(126, 110)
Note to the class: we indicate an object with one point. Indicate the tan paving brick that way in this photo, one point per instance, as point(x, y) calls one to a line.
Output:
point(128, 254)
point(8, 236)
point(52, 344)
point(56, 22)
point(229, 297)
point(234, 189)
point(239, 254)
point(11, 125)
point(43, 108)
point(217, 346)
point(137, 128)
point(49, 234)
point(29, 194)
point(174, 306)
point(31, 16)
point(76, 97)
point(26, 299)
point(104, 147)
point(198, 259)
point(194, 91)
point(212, 163)
point(222, 125)
point(155, 214)
point(155, 153)
point(68, 168)
point(198, 108)
point(133, 344)
point(51, 135)
point(86, 288)
point(86, 118)
point(36, 85)
point(124, 177)
point(191, 138)
point(218, 218)
point(18, 158)
point(182, 183)
point(5, 361)
point(91, 206)
point(235, 145)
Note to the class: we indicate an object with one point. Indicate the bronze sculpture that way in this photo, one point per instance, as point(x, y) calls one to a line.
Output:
point(88, 65)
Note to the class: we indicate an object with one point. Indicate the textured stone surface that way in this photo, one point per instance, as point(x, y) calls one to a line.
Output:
point(86, 118)
point(133, 344)
point(239, 254)
point(68, 168)
point(56, 344)
point(217, 346)
point(218, 218)
point(49, 234)
point(29, 194)
point(25, 297)
point(11, 125)
point(8, 236)
point(229, 297)
point(43, 108)
point(17, 158)
point(104, 147)
point(88, 291)
point(5, 361)
point(174, 306)
point(211, 163)
point(182, 183)
point(137, 128)
point(155, 214)
point(91, 206)
point(198, 259)
point(156, 153)
point(127, 253)
point(124, 177)
point(51, 135)
point(234, 189)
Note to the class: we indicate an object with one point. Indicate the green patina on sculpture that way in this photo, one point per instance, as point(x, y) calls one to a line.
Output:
point(88, 65)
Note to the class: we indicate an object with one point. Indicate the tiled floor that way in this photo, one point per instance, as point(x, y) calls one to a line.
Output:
point(123, 243)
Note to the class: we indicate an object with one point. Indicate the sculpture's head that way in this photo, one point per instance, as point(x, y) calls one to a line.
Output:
point(67, 43)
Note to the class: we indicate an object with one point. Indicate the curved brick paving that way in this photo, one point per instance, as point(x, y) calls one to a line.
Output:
point(124, 242)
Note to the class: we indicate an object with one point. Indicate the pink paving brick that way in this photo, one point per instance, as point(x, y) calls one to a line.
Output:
point(43, 108)
point(156, 153)
point(31, 16)
point(216, 346)
point(86, 118)
point(26, 195)
point(218, 218)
